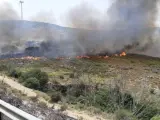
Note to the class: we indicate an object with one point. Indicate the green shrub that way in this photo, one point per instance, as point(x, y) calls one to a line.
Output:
point(77, 90)
point(42, 77)
point(104, 100)
point(3, 67)
point(32, 83)
point(108, 100)
point(124, 115)
point(157, 117)
point(147, 112)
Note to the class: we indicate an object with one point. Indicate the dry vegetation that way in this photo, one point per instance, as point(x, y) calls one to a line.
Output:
point(127, 86)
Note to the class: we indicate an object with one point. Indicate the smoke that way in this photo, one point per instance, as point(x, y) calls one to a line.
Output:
point(135, 21)
point(15, 33)
point(8, 37)
point(44, 16)
point(7, 12)
point(127, 25)
point(84, 16)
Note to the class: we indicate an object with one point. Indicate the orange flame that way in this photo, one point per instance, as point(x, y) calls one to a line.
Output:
point(27, 58)
point(123, 54)
point(80, 57)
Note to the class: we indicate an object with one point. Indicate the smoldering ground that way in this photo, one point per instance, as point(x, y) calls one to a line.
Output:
point(128, 25)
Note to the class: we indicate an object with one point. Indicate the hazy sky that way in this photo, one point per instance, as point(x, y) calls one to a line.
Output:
point(53, 8)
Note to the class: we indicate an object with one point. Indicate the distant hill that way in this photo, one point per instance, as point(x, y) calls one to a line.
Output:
point(31, 24)
point(65, 41)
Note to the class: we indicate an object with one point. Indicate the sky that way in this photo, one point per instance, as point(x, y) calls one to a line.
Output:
point(55, 9)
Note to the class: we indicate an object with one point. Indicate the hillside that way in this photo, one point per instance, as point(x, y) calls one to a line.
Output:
point(75, 82)
point(83, 78)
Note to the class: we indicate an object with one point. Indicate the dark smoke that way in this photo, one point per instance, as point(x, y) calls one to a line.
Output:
point(128, 25)
point(136, 19)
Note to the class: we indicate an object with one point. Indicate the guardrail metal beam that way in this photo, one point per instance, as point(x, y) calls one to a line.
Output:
point(14, 113)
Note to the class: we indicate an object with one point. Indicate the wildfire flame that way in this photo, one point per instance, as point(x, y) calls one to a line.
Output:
point(88, 57)
point(80, 57)
point(27, 58)
point(30, 58)
point(123, 54)
point(62, 58)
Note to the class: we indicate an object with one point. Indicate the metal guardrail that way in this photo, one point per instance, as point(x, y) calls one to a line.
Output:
point(14, 113)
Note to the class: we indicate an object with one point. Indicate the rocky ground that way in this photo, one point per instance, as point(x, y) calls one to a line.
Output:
point(30, 107)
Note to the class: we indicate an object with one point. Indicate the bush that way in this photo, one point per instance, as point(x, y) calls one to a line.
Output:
point(104, 100)
point(14, 73)
point(34, 98)
point(157, 117)
point(32, 83)
point(42, 105)
point(3, 67)
point(77, 90)
point(108, 100)
point(64, 107)
point(147, 112)
point(124, 115)
point(42, 77)
point(61, 77)
point(71, 75)
point(55, 97)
